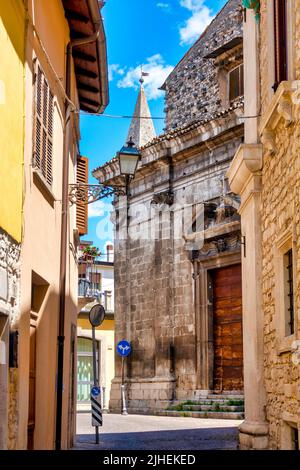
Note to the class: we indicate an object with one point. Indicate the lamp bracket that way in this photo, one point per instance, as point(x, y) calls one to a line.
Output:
point(83, 194)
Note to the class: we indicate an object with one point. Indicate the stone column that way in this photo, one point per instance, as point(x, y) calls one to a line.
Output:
point(245, 179)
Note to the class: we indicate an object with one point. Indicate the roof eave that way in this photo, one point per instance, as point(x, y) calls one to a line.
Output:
point(102, 54)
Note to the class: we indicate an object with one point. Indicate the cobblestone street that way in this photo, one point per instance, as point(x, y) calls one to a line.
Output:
point(136, 432)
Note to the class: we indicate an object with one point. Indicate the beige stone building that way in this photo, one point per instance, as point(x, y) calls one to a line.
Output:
point(64, 70)
point(265, 173)
point(178, 261)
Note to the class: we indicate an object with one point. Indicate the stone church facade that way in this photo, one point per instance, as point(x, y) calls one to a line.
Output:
point(178, 273)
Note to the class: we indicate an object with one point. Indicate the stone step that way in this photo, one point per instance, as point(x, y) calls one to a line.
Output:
point(222, 407)
point(203, 414)
point(224, 397)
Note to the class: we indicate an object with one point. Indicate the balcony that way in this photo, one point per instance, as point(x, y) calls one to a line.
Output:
point(87, 293)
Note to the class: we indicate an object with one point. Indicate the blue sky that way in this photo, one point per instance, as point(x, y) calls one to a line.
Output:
point(155, 35)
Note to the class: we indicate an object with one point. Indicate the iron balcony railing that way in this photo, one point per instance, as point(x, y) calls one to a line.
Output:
point(89, 291)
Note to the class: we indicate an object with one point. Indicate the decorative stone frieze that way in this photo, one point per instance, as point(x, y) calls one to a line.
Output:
point(9, 275)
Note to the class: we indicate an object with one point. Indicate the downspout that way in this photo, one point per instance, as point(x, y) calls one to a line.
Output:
point(64, 232)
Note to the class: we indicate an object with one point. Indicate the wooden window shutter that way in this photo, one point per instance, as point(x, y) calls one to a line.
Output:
point(82, 209)
point(96, 278)
point(280, 32)
point(43, 126)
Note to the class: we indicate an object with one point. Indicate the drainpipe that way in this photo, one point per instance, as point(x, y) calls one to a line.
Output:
point(64, 232)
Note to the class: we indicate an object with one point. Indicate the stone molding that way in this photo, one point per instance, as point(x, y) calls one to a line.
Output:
point(254, 428)
point(247, 161)
point(185, 143)
point(281, 107)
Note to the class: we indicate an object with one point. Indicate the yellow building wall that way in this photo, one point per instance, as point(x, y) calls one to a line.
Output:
point(107, 325)
point(12, 38)
point(106, 335)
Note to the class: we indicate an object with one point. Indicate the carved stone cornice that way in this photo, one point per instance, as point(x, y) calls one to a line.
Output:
point(247, 161)
point(281, 107)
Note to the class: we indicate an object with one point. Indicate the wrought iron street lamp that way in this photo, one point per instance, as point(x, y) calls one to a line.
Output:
point(128, 157)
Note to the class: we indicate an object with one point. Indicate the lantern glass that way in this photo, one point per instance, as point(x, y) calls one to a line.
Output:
point(129, 157)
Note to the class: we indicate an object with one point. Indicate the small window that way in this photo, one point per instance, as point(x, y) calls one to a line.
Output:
point(43, 130)
point(108, 301)
point(280, 36)
point(289, 293)
point(236, 82)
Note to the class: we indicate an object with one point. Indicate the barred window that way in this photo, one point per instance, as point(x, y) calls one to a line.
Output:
point(43, 129)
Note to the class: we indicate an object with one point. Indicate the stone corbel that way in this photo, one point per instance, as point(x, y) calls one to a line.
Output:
point(247, 162)
point(163, 198)
point(281, 108)
point(285, 109)
point(268, 140)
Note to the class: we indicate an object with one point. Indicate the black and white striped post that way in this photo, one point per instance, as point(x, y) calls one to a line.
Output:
point(97, 315)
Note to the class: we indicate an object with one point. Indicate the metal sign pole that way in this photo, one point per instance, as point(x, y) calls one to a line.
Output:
point(95, 373)
point(123, 349)
point(123, 399)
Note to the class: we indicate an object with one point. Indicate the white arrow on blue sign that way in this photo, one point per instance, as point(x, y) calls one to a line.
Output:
point(124, 348)
point(95, 391)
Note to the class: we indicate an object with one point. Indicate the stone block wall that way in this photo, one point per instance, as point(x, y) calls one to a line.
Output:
point(280, 213)
point(154, 284)
point(193, 88)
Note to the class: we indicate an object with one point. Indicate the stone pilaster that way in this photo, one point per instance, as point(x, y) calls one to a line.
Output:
point(245, 179)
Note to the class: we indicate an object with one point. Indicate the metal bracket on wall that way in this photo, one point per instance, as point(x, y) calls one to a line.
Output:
point(84, 194)
point(243, 242)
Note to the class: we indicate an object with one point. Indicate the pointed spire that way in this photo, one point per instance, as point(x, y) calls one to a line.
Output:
point(141, 128)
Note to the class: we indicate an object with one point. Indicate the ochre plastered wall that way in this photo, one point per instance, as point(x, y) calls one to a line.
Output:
point(12, 36)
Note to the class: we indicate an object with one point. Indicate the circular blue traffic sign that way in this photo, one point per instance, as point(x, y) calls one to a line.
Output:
point(123, 348)
point(95, 391)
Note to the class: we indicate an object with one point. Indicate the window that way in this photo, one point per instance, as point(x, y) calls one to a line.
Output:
point(281, 49)
point(85, 375)
point(236, 82)
point(289, 293)
point(43, 129)
point(108, 301)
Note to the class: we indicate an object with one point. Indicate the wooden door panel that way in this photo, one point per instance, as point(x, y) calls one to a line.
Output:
point(227, 324)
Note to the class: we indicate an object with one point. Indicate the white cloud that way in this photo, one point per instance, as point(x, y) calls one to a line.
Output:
point(163, 5)
point(196, 24)
point(113, 70)
point(96, 209)
point(158, 72)
point(193, 5)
